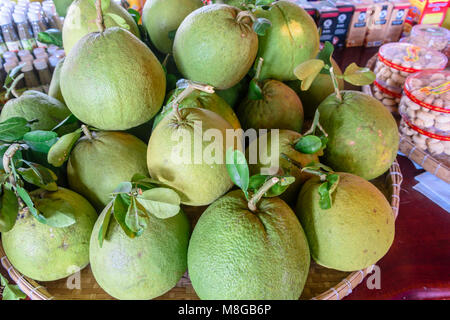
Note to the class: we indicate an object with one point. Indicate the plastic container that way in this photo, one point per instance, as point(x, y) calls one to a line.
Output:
point(397, 60)
point(389, 96)
point(425, 105)
point(429, 36)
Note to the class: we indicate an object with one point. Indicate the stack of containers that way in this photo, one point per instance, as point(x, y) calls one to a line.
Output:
point(396, 61)
point(425, 111)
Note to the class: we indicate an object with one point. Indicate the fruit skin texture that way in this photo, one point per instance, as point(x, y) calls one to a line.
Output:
point(363, 135)
point(292, 39)
point(54, 90)
point(321, 88)
point(355, 232)
point(35, 105)
point(80, 21)
point(97, 166)
point(200, 99)
point(204, 36)
point(286, 142)
point(280, 108)
point(106, 87)
point(172, 156)
point(160, 17)
point(45, 253)
point(144, 267)
point(237, 254)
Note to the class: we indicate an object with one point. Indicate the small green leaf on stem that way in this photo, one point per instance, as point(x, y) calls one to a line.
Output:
point(163, 203)
point(308, 144)
point(254, 90)
point(104, 224)
point(9, 208)
point(60, 151)
point(39, 176)
point(261, 25)
point(69, 120)
point(51, 36)
point(58, 213)
point(10, 291)
point(136, 219)
point(123, 187)
point(120, 209)
point(40, 140)
point(308, 71)
point(13, 129)
point(118, 20)
point(135, 14)
point(23, 194)
point(325, 54)
point(358, 76)
point(237, 168)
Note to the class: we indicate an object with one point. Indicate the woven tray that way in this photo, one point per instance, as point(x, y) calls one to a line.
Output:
point(322, 283)
point(434, 165)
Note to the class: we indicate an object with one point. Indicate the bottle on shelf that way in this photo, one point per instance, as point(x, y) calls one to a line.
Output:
point(24, 30)
point(9, 33)
point(41, 67)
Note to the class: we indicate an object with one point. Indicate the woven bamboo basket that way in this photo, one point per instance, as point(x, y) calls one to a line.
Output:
point(322, 283)
point(435, 165)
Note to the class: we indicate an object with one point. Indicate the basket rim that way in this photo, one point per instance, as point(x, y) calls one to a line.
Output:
point(36, 291)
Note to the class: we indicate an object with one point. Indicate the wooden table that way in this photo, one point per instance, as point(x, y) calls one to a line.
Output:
point(418, 264)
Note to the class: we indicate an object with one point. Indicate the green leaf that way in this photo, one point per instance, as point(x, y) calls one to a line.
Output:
point(10, 291)
point(9, 208)
point(104, 4)
point(51, 36)
point(23, 194)
point(40, 140)
point(280, 187)
point(325, 198)
point(57, 212)
point(12, 75)
point(118, 20)
point(123, 187)
point(318, 166)
point(161, 202)
point(308, 144)
point(39, 176)
point(135, 14)
point(333, 181)
point(69, 120)
point(13, 129)
point(254, 90)
point(325, 55)
point(120, 209)
point(308, 71)
point(104, 224)
point(144, 182)
point(172, 34)
point(60, 151)
point(237, 168)
point(263, 2)
point(17, 156)
point(261, 25)
point(358, 76)
point(257, 181)
point(136, 219)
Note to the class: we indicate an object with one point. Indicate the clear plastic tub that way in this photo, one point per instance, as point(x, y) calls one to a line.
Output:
point(397, 60)
point(389, 96)
point(429, 36)
point(425, 104)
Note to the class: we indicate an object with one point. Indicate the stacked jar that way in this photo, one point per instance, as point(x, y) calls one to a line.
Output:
point(425, 111)
point(396, 61)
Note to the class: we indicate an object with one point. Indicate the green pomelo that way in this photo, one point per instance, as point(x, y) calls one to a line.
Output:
point(292, 39)
point(362, 134)
point(144, 267)
point(106, 87)
point(355, 232)
point(205, 35)
point(234, 94)
point(181, 157)
point(321, 88)
point(200, 99)
point(62, 6)
point(81, 20)
point(97, 166)
point(235, 253)
point(54, 90)
point(46, 253)
point(35, 105)
point(161, 17)
point(280, 108)
point(241, 4)
point(279, 154)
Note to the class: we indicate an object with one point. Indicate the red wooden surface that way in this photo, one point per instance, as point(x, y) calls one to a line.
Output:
point(418, 264)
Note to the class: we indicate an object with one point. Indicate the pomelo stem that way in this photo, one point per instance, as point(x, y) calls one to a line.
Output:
point(258, 195)
point(99, 21)
point(191, 87)
point(335, 84)
point(7, 157)
point(13, 86)
point(86, 131)
point(241, 15)
point(258, 68)
point(166, 58)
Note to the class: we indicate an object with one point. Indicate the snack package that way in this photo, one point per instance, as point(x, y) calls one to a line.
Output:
point(380, 15)
point(358, 24)
point(397, 20)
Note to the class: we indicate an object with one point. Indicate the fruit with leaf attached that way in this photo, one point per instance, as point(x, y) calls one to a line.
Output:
point(355, 232)
point(196, 170)
point(97, 164)
point(81, 20)
point(236, 253)
point(45, 112)
point(161, 19)
point(321, 87)
point(144, 267)
point(106, 87)
point(54, 90)
point(362, 134)
point(200, 99)
point(292, 39)
point(280, 149)
point(278, 108)
point(203, 36)
point(47, 253)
